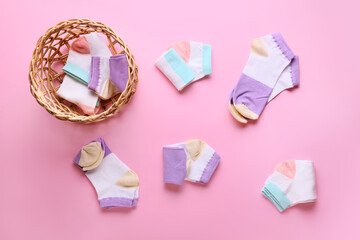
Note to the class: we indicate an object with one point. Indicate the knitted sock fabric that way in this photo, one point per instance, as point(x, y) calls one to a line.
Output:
point(269, 56)
point(119, 71)
point(79, 60)
point(193, 160)
point(116, 184)
point(74, 91)
point(108, 75)
point(291, 183)
point(77, 71)
point(289, 78)
point(185, 62)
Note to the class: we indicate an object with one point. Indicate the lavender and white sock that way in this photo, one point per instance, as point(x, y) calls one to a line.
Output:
point(116, 184)
point(108, 75)
point(269, 57)
point(289, 78)
point(193, 160)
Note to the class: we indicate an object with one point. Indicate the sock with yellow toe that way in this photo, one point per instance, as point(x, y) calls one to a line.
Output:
point(288, 79)
point(116, 184)
point(193, 160)
point(269, 56)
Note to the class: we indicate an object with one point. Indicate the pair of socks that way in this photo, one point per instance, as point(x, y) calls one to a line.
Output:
point(89, 67)
point(271, 68)
point(108, 75)
point(193, 160)
point(116, 184)
point(185, 62)
point(291, 183)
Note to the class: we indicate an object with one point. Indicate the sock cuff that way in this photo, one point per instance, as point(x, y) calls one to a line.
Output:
point(175, 69)
point(207, 69)
point(210, 168)
point(119, 71)
point(76, 72)
point(276, 196)
point(174, 164)
point(94, 78)
point(285, 49)
point(295, 73)
point(112, 202)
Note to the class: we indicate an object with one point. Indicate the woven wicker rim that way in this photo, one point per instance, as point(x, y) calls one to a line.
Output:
point(42, 76)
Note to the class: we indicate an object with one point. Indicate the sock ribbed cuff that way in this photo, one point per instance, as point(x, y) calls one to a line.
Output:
point(175, 69)
point(276, 196)
point(112, 202)
point(77, 72)
point(295, 74)
point(94, 73)
point(285, 49)
point(207, 59)
point(210, 168)
point(174, 165)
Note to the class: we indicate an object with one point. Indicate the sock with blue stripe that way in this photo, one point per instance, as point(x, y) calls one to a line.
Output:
point(185, 62)
point(291, 183)
point(74, 87)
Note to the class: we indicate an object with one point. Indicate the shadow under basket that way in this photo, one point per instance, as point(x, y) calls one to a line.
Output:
point(45, 75)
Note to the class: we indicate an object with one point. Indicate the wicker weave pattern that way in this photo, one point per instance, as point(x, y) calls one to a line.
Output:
point(44, 79)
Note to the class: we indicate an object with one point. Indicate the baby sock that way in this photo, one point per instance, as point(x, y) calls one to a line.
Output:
point(289, 78)
point(269, 56)
point(116, 184)
point(77, 93)
point(108, 75)
point(119, 71)
point(77, 68)
point(291, 183)
point(185, 62)
point(193, 160)
point(78, 62)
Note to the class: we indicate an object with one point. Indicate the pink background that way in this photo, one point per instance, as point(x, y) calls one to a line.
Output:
point(44, 196)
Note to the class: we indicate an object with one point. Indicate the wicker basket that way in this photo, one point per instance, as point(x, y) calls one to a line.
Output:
point(45, 79)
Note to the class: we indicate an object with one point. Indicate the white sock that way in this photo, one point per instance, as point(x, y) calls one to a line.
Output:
point(77, 68)
point(291, 183)
point(269, 56)
point(289, 78)
point(74, 91)
point(185, 62)
point(116, 184)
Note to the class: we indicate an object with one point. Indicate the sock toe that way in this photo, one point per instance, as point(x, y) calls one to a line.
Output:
point(236, 114)
point(246, 112)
